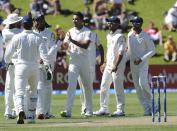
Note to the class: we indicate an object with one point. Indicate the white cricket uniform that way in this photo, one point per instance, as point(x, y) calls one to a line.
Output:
point(44, 85)
point(116, 44)
point(1, 48)
point(29, 47)
point(8, 34)
point(141, 46)
point(170, 18)
point(95, 42)
point(79, 65)
point(116, 1)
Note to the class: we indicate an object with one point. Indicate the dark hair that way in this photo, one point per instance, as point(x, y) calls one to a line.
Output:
point(27, 26)
point(79, 14)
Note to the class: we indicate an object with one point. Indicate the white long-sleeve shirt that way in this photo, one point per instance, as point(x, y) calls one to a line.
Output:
point(50, 42)
point(1, 48)
point(7, 35)
point(29, 47)
point(140, 46)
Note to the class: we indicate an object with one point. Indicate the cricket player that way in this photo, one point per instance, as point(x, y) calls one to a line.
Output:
point(12, 27)
point(45, 84)
point(113, 70)
point(78, 40)
point(1, 41)
point(1, 48)
point(140, 49)
point(95, 44)
point(29, 47)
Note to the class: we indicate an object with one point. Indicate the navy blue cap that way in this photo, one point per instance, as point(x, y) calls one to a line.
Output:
point(86, 20)
point(137, 20)
point(113, 19)
point(27, 19)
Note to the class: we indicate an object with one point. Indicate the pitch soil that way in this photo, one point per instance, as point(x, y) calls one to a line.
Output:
point(124, 121)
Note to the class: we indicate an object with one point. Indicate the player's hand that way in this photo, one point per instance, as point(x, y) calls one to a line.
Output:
point(69, 36)
point(114, 69)
point(137, 61)
point(41, 61)
point(102, 67)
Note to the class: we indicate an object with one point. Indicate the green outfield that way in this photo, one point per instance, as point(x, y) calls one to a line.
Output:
point(133, 121)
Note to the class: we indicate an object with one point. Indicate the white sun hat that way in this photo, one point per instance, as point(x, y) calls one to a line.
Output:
point(175, 5)
point(12, 18)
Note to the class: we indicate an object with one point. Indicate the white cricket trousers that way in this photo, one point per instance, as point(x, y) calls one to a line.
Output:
point(10, 91)
point(82, 70)
point(26, 74)
point(82, 96)
point(117, 79)
point(44, 94)
point(141, 83)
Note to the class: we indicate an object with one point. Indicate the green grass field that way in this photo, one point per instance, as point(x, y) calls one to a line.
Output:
point(133, 121)
point(150, 10)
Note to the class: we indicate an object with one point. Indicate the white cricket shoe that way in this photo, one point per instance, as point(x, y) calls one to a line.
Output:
point(101, 112)
point(118, 114)
point(88, 114)
point(148, 111)
point(83, 112)
point(65, 114)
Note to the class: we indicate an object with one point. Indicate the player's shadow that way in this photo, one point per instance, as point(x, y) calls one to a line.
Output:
point(158, 55)
point(66, 12)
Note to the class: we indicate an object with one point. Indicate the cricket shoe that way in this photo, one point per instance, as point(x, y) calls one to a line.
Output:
point(83, 112)
point(41, 116)
point(101, 112)
point(117, 114)
point(49, 116)
point(65, 114)
point(149, 112)
point(20, 119)
point(88, 114)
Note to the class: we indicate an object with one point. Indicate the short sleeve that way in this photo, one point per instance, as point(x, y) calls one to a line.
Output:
point(121, 44)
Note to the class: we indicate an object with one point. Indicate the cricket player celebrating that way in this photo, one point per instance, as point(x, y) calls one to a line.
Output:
point(140, 48)
point(45, 84)
point(113, 70)
point(78, 40)
point(12, 27)
point(29, 47)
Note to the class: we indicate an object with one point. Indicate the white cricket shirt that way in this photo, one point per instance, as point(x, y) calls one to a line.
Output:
point(116, 44)
point(29, 47)
point(140, 46)
point(95, 42)
point(83, 34)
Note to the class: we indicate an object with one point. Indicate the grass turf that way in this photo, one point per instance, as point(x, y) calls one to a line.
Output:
point(134, 119)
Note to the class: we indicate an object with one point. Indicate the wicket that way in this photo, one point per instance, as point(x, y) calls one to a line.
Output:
point(155, 82)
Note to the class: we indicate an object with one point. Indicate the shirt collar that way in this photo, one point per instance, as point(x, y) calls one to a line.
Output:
point(118, 31)
point(27, 31)
point(80, 29)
